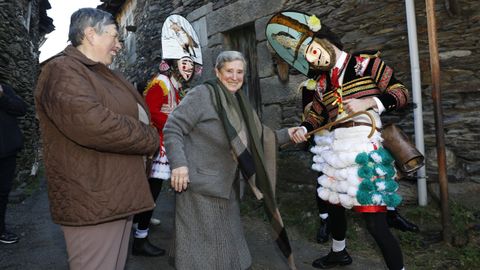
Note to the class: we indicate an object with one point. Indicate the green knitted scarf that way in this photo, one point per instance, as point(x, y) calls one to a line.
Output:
point(244, 130)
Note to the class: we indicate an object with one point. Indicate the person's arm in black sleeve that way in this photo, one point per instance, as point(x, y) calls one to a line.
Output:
point(10, 102)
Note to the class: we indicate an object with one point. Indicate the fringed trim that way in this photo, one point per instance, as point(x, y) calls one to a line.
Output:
point(160, 166)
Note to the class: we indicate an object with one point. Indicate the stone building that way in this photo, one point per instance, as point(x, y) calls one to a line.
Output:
point(375, 24)
point(23, 26)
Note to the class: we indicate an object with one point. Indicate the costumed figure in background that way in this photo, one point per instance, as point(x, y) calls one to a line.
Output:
point(180, 62)
point(356, 171)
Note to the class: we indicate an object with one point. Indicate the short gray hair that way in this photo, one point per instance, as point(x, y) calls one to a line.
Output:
point(88, 17)
point(229, 56)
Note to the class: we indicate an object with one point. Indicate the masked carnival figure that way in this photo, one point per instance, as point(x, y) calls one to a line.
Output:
point(356, 172)
point(181, 60)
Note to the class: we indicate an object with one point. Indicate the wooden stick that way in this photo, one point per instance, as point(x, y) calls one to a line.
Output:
point(329, 125)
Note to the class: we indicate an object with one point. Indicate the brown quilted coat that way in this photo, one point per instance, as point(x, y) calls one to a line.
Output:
point(93, 142)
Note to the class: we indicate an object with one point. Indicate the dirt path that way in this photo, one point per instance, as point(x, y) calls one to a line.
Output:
point(42, 246)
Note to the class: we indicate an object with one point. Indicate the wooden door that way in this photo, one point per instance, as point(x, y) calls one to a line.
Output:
point(243, 40)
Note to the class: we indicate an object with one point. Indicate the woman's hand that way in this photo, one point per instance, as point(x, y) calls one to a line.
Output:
point(297, 134)
point(179, 179)
point(356, 105)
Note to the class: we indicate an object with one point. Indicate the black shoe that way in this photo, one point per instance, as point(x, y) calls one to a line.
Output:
point(333, 259)
point(8, 238)
point(143, 247)
point(395, 220)
point(323, 233)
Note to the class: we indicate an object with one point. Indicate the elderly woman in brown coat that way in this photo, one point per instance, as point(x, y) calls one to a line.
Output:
point(95, 132)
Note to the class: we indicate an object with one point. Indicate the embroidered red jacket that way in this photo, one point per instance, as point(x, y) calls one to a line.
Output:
point(161, 98)
point(365, 76)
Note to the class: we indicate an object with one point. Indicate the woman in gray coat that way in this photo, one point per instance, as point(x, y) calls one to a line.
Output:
point(210, 138)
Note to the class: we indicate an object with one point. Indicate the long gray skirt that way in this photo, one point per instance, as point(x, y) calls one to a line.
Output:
point(209, 233)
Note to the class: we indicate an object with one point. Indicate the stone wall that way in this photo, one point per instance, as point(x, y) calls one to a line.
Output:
point(20, 36)
point(375, 24)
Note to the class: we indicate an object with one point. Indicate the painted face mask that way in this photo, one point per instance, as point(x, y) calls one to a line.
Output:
point(186, 67)
point(320, 54)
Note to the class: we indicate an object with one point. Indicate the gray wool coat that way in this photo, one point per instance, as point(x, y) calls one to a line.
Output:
point(208, 229)
point(195, 137)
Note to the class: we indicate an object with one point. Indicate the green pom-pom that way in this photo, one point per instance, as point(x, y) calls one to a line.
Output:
point(380, 184)
point(375, 156)
point(391, 186)
point(392, 199)
point(362, 158)
point(385, 170)
point(390, 170)
point(364, 197)
point(387, 158)
point(367, 185)
point(365, 172)
point(380, 170)
point(377, 198)
point(381, 156)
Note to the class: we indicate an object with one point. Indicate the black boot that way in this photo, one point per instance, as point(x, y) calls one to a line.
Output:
point(323, 233)
point(333, 259)
point(395, 220)
point(143, 247)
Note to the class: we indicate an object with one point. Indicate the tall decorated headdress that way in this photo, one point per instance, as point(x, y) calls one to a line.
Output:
point(290, 32)
point(179, 40)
